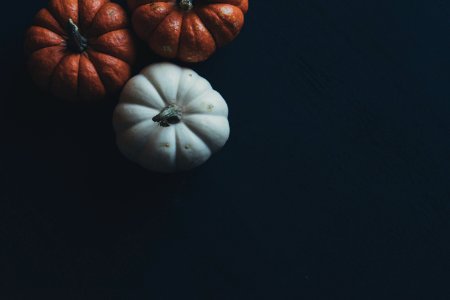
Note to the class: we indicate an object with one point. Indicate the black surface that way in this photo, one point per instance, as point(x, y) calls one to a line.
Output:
point(333, 185)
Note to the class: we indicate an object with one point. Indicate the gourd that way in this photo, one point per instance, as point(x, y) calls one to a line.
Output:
point(80, 49)
point(170, 119)
point(189, 30)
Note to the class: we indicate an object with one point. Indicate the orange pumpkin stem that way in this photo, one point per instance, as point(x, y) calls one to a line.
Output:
point(76, 41)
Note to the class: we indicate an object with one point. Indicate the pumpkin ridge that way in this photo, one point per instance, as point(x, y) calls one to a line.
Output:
point(142, 4)
point(229, 25)
point(40, 26)
point(237, 5)
point(224, 27)
point(153, 136)
point(198, 114)
point(209, 30)
point(104, 53)
point(30, 51)
point(88, 28)
point(160, 94)
point(44, 23)
point(125, 129)
point(96, 70)
point(178, 96)
point(63, 26)
point(60, 82)
point(198, 96)
point(78, 71)
point(196, 41)
point(111, 71)
point(57, 21)
point(104, 22)
point(89, 77)
point(124, 104)
point(181, 130)
point(189, 110)
point(138, 152)
point(97, 37)
point(156, 27)
point(199, 136)
point(142, 100)
point(94, 46)
point(178, 86)
point(162, 22)
point(51, 30)
point(177, 148)
point(188, 121)
point(183, 19)
point(61, 45)
point(54, 69)
point(182, 100)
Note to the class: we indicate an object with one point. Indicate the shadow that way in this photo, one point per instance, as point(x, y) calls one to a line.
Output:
point(74, 210)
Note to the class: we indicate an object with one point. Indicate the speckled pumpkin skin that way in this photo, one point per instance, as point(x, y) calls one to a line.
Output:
point(190, 36)
point(103, 68)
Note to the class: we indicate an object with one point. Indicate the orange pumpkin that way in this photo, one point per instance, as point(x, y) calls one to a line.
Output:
point(189, 30)
point(80, 49)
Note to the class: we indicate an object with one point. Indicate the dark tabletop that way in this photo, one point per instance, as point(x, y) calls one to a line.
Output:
point(334, 183)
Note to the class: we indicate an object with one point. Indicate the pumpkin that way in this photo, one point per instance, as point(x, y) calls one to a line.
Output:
point(189, 30)
point(80, 49)
point(170, 119)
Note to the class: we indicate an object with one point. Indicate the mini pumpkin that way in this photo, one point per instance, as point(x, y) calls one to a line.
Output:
point(189, 30)
point(80, 49)
point(170, 119)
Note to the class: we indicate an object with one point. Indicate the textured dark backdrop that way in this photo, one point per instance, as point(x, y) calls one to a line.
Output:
point(334, 184)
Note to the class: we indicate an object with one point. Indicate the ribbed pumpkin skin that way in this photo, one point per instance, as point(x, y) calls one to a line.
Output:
point(105, 65)
point(202, 130)
point(189, 36)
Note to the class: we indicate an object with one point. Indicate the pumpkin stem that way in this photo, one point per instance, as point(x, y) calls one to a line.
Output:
point(171, 114)
point(186, 5)
point(76, 41)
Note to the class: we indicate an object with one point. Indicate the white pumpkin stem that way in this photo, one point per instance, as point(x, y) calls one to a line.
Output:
point(170, 114)
point(186, 5)
point(76, 41)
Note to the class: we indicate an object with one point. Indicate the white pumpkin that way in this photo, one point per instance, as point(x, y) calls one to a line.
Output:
point(170, 119)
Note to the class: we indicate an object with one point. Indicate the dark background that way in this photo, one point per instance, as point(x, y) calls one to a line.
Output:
point(333, 185)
